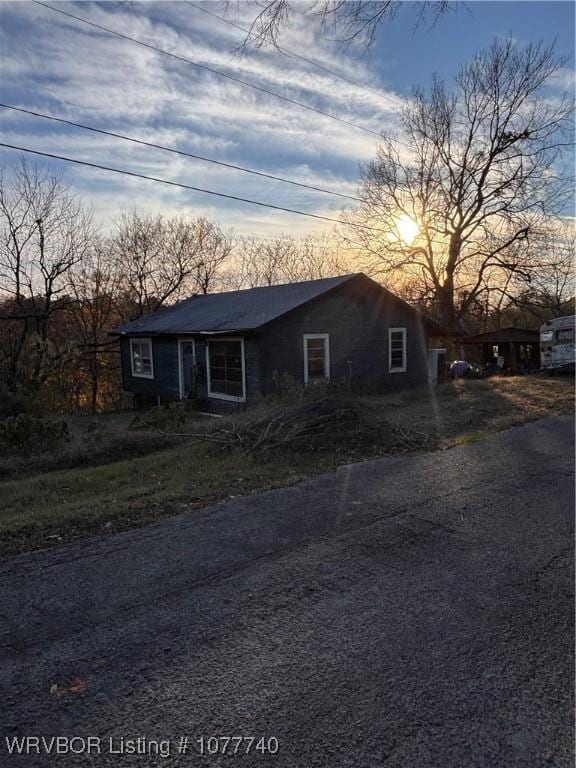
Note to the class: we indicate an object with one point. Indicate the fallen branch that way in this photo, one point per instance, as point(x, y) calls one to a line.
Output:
point(320, 424)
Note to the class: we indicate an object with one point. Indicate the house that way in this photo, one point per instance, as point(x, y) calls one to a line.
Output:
point(516, 349)
point(231, 347)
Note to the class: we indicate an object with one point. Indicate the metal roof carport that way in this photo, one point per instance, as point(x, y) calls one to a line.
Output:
point(520, 348)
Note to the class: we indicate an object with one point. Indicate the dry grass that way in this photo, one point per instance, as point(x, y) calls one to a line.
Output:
point(111, 477)
point(95, 440)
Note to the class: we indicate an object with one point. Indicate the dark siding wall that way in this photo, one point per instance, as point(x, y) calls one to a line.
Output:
point(166, 375)
point(253, 377)
point(357, 317)
point(200, 348)
point(165, 382)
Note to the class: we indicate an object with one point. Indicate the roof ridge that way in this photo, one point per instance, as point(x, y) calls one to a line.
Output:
point(346, 276)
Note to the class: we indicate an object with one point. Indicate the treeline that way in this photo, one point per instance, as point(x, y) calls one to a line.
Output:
point(64, 285)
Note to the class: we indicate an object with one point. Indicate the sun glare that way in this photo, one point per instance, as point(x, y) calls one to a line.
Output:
point(407, 230)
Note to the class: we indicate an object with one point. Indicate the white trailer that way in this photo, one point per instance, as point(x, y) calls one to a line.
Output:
point(557, 351)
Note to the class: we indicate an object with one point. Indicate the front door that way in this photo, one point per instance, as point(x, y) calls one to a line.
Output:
point(187, 359)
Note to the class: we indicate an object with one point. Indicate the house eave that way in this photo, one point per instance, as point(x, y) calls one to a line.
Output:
point(177, 332)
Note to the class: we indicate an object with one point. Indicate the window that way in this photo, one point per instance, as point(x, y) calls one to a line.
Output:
point(565, 336)
point(397, 350)
point(141, 358)
point(225, 363)
point(316, 357)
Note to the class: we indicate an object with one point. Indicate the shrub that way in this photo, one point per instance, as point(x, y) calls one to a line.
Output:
point(290, 390)
point(286, 387)
point(14, 403)
point(163, 418)
point(32, 434)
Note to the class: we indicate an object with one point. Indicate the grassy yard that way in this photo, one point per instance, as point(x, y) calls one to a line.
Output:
point(111, 476)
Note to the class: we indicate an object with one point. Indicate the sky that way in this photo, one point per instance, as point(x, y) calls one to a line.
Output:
point(56, 65)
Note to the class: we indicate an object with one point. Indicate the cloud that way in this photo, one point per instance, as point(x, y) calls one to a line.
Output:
point(564, 80)
point(61, 67)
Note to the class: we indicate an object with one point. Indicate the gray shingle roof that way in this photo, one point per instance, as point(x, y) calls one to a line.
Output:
point(233, 311)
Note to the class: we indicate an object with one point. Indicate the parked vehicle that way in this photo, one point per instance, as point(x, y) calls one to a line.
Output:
point(557, 352)
point(461, 369)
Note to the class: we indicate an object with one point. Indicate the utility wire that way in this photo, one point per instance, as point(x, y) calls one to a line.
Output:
point(178, 184)
point(259, 203)
point(206, 68)
point(204, 191)
point(178, 152)
point(292, 54)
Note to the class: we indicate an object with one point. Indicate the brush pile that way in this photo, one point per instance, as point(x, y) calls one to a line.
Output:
point(319, 425)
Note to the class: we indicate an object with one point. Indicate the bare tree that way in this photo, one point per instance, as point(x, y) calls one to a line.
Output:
point(549, 289)
point(285, 259)
point(461, 208)
point(44, 233)
point(214, 249)
point(154, 259)
point(161, 259)
point(262, 262)
point(315, 257)
point(94, 289)
point(351, 21)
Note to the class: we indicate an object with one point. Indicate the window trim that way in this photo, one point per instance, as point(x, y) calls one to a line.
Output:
point(326, 338)
point(391, 368)
point(218, 395)
point(140, 340)
point(181, 341)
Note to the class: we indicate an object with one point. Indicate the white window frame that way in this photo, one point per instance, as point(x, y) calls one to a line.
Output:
point(326, 337)
point(391, 368)
point(181, 362)
point(135, 374)
point(219, 395)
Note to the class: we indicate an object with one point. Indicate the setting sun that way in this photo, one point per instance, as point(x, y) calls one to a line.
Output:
point(407, 229)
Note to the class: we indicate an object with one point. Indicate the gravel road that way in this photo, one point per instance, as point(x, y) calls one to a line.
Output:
point(408, 612)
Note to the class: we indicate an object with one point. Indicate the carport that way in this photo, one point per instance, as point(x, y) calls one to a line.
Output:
point(519, 348)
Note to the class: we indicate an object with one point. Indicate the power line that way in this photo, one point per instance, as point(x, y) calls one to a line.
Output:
point(144, 143)
point(290, 53)
point(204, 191)
point(259, 203)
point(206, 68)
point(179, 185)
